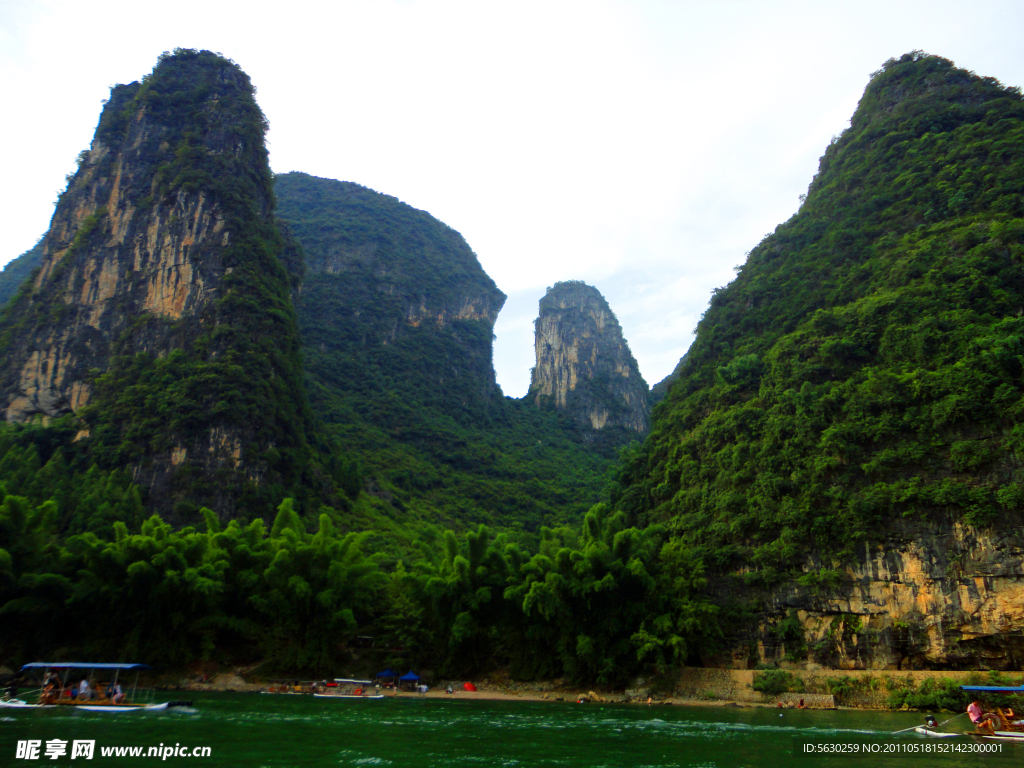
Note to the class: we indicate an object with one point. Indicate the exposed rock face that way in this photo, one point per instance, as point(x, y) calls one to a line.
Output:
point(936, 595)
point(107, 258)
point(584, 366)
point(390, 290)
point(137, 262)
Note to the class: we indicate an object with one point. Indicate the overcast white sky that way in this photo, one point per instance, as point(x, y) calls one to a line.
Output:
point(643, 147)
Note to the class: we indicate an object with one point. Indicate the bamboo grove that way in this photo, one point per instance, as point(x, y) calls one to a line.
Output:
point(590, 604)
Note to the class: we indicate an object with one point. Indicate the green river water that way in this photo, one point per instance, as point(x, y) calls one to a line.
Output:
point(277, 731)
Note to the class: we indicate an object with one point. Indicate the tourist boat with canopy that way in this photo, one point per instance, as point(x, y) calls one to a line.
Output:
point(57, 690)
point(1002, 724)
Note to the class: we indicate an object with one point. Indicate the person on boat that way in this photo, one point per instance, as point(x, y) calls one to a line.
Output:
point(982, 720)
point(1010, 717)
point(12, 688)
point(116, 694)
point(931, 722)
point(50, 691)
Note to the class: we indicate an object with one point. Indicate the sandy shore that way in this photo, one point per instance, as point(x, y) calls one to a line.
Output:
point(564, 697)
point(226, 682)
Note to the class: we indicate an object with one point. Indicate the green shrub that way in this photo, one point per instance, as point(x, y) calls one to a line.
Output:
point(772, 682)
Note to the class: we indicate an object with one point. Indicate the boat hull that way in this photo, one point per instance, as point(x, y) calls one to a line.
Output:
point(934, 734)
point(999, 736)
point(19, 704)
point(120, 707)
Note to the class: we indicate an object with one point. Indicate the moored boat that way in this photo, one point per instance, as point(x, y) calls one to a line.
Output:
point(56, 690)
point(292, 687)
point(348, 688)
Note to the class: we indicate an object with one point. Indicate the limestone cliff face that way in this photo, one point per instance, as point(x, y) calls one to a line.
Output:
point(940, 595)
point(584, 366)
point(390, 292)
point(150, 251)
point(114, 251)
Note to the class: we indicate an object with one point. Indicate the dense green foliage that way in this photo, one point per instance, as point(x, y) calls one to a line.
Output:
point(945, 694)
point(772, 682)
point(396, 316)
point(18, 270)
point(77, 552)
point(866, 363)
point(409, 399)
point(865, 366)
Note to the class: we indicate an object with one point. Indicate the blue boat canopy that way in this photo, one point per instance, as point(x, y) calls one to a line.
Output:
point(994, 688)
point(410, 675)
point(80, 665)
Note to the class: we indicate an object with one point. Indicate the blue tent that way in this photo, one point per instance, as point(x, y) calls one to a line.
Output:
point(386, 673)
point(410, 675)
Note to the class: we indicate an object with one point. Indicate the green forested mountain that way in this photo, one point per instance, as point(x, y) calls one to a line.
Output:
point(185, 351)
point(397, 319)
point(161, 319)
point(313, 395)
point(864, 369)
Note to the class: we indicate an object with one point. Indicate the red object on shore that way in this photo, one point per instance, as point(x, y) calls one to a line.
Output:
point(469, 686)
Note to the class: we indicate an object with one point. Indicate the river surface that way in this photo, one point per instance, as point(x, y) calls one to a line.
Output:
point(278, 731)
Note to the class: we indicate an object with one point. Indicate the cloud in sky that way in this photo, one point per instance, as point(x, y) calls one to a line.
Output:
point(643, 147)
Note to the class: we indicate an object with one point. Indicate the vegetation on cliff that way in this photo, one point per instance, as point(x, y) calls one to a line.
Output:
point(396, 316)
point(244, 372)
point(77, 551)
point(865, 367)
point(216, 379)
point(866, 363)
point(18, 270)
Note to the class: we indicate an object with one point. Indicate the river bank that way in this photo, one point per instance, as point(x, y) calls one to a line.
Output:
point(694, 687)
